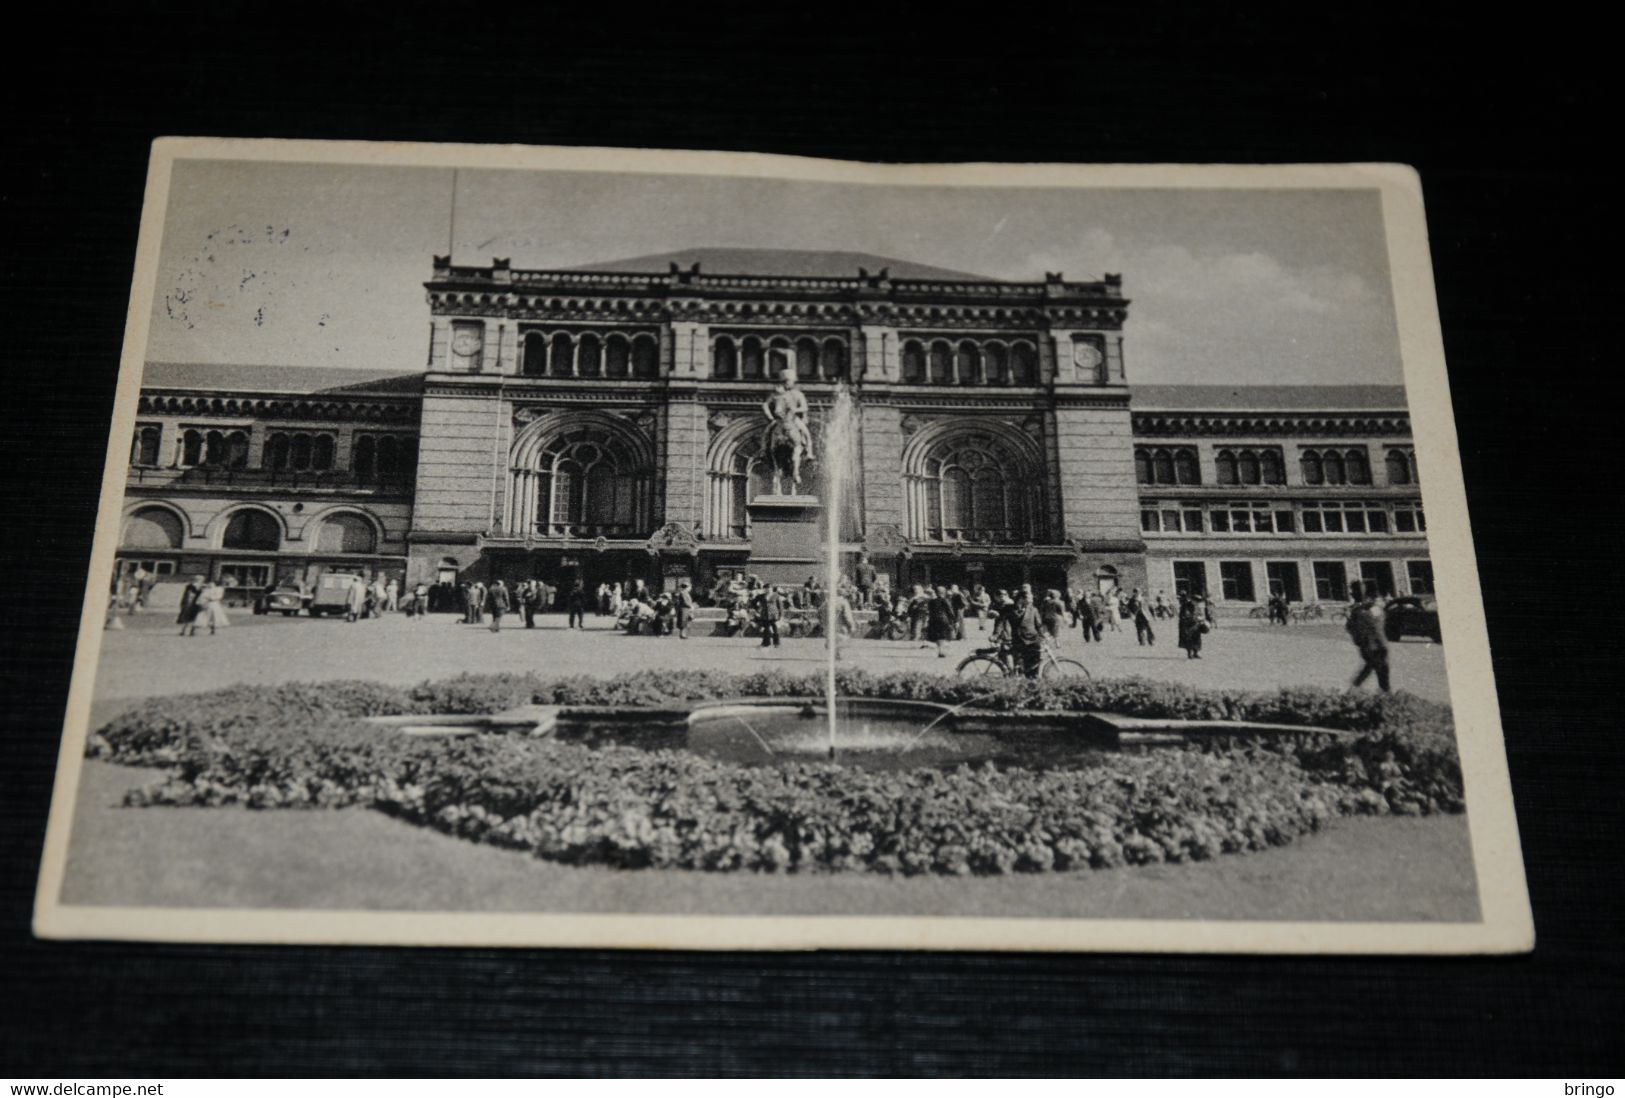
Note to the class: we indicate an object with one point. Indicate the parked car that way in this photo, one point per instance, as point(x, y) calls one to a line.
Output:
point(286, 599)
point(1411, 616)
point(332, 594)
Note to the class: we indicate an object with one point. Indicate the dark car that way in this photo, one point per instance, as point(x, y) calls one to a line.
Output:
point(1411, 616)
point(286, 599)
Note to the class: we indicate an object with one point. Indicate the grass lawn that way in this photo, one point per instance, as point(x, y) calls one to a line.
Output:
point(1364, 869)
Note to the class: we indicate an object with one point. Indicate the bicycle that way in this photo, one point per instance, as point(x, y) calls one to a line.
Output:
point(998, 662)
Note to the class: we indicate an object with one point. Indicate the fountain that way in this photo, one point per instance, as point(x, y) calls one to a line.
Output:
point(838, 451)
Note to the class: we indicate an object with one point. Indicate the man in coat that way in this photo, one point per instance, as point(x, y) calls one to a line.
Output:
point(770, 609)
point(497, 603)
point(1365, 630)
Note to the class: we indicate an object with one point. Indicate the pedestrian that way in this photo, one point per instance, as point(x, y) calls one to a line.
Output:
point(1142, 619)
point(1084, 612)
point(616, 600)
point(576, 604)
point(209, 608)
point(1052, 611)
point(420, 600)
point(1114, 610)
point(355, 599)
point(682, 606)
point(1192, 624)
point(479, 603)
point(919, 613)
point(1023, 629)
point(529, 597)
point(392, 596)
point(770, 608)
point(939, 619)
point(864, 575)
point(497, 602)
point(189, 594)
point(1161, 607)
point(1364, 627)
point(960, 603)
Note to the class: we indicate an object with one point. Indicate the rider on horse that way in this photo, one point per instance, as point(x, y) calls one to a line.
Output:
point(787, 439)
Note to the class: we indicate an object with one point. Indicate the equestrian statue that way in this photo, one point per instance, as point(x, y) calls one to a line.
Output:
point(787, 439)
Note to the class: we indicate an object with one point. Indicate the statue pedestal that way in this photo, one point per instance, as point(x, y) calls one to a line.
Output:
point(785, 538)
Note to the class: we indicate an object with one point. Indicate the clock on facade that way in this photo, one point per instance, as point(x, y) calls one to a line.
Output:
point(465, 342)
point(1086, 356)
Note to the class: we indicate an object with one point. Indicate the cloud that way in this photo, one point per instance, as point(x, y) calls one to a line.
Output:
point(1241, 316)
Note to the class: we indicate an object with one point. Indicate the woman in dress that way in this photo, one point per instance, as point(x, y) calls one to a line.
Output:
point(1191, 627)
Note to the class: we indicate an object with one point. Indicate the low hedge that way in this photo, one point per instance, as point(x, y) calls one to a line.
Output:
point(302, 746)
point(626, 807)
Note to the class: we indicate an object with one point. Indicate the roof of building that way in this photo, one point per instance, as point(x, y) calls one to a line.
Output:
point(1269, 398)
point(783, 262)
point(209, 376)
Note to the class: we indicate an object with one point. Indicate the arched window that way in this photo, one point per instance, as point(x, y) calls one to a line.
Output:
point(561, 359)
point(1332, 462)
point(192, 448)
point(1247, 465)
point(214, 448)
point(645, 357)
point(300, 451)
point(942, 363)
point(346, 533)
point(1225, 467)
point(389, 455)
point(1399, 467)
point(252, 529)
point(1313, 471)
point(237, 450)
point(586, 482)
point(1162, 464)
point(276, 452)
point(144, 449)
point(753, 364)
point(1271, 467)
point(1142, 466)
point(975, 487)
point(1024, 364)
point(806, 360)
point(834, 360)
point(724, 359)
point(364, 457)
point(534, 362)
point(153, 528)
point(321, 453)
point(913, 362)
point(617, 356)
point(996, 364)
point(1186, 471)
point(589, 356)
point(1359, 470)
point(968, 364)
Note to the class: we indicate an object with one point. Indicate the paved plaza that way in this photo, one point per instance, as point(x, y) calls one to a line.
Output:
point(148, 658)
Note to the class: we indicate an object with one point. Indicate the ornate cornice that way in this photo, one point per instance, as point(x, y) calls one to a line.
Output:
point(300, 408)
point(1268, 425)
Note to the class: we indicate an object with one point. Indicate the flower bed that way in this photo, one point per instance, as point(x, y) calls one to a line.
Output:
point(303, 746)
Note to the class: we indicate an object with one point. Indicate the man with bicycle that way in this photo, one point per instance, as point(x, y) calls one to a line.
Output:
point(1024, 627)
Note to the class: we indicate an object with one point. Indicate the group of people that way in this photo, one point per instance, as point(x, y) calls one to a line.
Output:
point(664, 614)
point(491, 603)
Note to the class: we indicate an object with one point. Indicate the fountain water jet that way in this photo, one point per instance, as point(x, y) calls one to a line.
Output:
point(837, 474)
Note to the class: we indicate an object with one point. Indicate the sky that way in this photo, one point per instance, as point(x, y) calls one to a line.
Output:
point(324, 264)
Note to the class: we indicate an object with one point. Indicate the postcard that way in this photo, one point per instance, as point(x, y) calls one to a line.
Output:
point(600, 547)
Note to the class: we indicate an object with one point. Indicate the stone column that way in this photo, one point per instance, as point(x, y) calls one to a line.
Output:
point(683, 464)
point(691, 350)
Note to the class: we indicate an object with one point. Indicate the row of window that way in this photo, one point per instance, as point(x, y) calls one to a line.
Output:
point(371, 455)
point(1284, 517)
point(752, 357)
point(1331, 579)
point(158, 528)
point(589, 354)
point(1267, 465)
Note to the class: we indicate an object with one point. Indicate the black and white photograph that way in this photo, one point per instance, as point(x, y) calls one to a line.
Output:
point(508, 546)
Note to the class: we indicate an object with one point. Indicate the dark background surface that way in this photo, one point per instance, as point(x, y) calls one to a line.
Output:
point(1507, 123)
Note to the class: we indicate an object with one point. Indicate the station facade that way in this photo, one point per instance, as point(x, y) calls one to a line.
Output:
point(605, 424)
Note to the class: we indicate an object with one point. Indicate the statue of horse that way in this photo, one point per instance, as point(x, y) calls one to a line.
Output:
point(784, 448)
